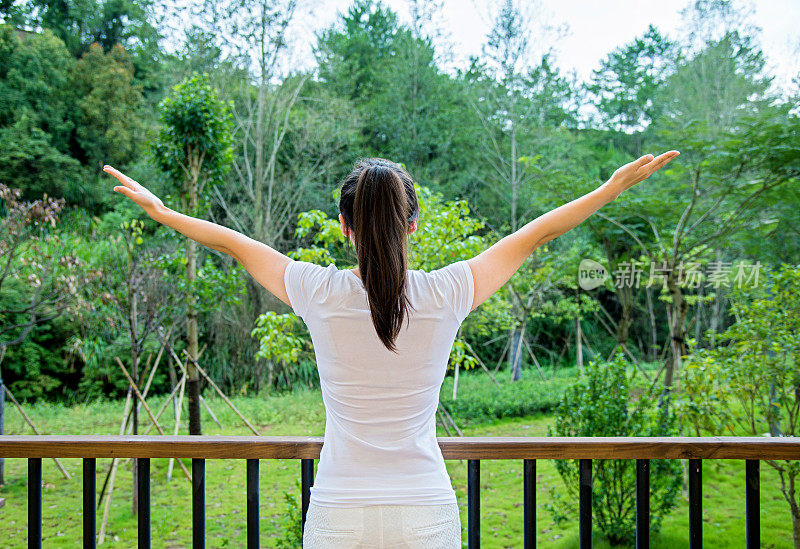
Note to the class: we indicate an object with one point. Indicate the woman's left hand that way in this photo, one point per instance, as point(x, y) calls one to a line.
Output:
point(149, 202)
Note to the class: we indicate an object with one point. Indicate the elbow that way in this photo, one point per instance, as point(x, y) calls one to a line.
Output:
point(544, 240)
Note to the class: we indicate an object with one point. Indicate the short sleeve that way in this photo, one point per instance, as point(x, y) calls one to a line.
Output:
point(456, 285)
point(304, 282)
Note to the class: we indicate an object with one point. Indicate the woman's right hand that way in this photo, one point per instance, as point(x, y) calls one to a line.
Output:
point(149, 202)
point(634, 172)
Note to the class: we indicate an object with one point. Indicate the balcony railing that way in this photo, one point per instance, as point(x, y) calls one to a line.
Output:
point(473, 449)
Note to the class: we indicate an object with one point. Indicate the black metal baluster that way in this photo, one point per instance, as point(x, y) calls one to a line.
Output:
point(307, 481)
point(143, 510)
point(34, 503)
point(89, 503)
point(585, 504)
point(642, 504)
point(752, 493)
point(252, 504)
point(695, 503)
point(473, 503)
point(529, 502)
point(198, 503)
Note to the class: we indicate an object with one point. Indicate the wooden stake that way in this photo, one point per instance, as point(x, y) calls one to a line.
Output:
point(112, 473)
point(147, 408)
point(178, 411)
point(441, 419)
point(533, 356)
point(452, 421)
point(167, 401)
point(485, 369)
point(221, 394)
point(35, 430)
point(502, 355)
point(107, 507)
point(208, 409)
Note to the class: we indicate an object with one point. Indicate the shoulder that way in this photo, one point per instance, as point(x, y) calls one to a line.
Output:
point(306, 283)
point(453, 286)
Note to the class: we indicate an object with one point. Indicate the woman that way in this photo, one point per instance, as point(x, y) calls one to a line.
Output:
point(382, 336)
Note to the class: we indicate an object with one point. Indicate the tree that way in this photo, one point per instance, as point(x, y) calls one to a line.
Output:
point(715, 107)
point(34, 82)
point(194, 147)
point(107, 117)
point(749, 383)
point(38, 281)
point(627, 80)
point(509, 102)
point(349, 53)
point(600, 404)
point(107, 22)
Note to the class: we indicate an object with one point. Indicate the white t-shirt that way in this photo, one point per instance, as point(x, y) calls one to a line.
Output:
point(380, 443)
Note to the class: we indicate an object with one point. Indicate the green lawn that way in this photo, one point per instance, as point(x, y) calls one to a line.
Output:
point(302, 413)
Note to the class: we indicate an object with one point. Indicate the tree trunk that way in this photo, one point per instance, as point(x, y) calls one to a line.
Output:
point(2, 421)
point(133, 329)
point(625, 297)
point(651, 354)
point(193, 382)
point(515, 352)
point(578, 344)
point(715, 309)
point(677, 331)
point(796, 527)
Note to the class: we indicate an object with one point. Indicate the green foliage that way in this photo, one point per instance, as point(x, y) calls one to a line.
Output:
point(36, 83)
point(626, 80)
point(291, 526)
point(79, 23)
point(479, 400)
point(212, 282)
point(749, 382)
point(108, 104)
point(600, 404)
point(30, 162)
point(347, 56)
point(283, 341)
point(195, 138)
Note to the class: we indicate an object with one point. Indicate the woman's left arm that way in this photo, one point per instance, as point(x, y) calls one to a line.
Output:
point(264, 263)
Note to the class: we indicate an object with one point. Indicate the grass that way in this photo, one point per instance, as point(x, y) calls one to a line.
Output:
point(302, 413)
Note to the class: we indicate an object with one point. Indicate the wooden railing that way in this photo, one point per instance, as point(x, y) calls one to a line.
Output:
point(473, 449)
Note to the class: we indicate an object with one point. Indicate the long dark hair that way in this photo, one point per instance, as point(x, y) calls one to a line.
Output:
point(378, 202)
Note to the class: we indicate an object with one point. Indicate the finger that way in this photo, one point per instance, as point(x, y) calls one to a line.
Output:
point(124, 190)
point(666, 157)
point(669, 155)
point(124, 179)
point(661, 161)
point(115, 173)
point(643, 160)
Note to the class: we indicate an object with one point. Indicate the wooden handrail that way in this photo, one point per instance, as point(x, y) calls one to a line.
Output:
point(299, 447)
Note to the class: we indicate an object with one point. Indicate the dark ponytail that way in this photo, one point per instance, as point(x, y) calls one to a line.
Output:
point(379, 203)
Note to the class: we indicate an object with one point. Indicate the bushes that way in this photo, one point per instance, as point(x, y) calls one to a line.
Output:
point(479, 400)
point(599, 404)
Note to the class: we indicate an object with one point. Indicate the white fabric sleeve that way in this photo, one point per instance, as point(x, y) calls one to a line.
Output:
point(456, 285)
point(303, 281)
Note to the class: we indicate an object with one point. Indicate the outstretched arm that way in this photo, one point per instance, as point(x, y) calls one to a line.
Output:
point(494, 266)
point(264, 263)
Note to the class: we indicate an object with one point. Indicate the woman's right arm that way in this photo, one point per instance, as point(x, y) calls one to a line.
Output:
point(493, 267)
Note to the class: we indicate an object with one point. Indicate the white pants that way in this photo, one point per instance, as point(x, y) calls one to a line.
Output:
point(378, 526)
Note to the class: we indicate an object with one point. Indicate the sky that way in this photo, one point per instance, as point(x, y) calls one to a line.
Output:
point(594, 28)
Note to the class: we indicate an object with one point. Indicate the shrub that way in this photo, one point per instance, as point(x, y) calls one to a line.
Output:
point(292, 522)
point(599, 404)
point(480, 400)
